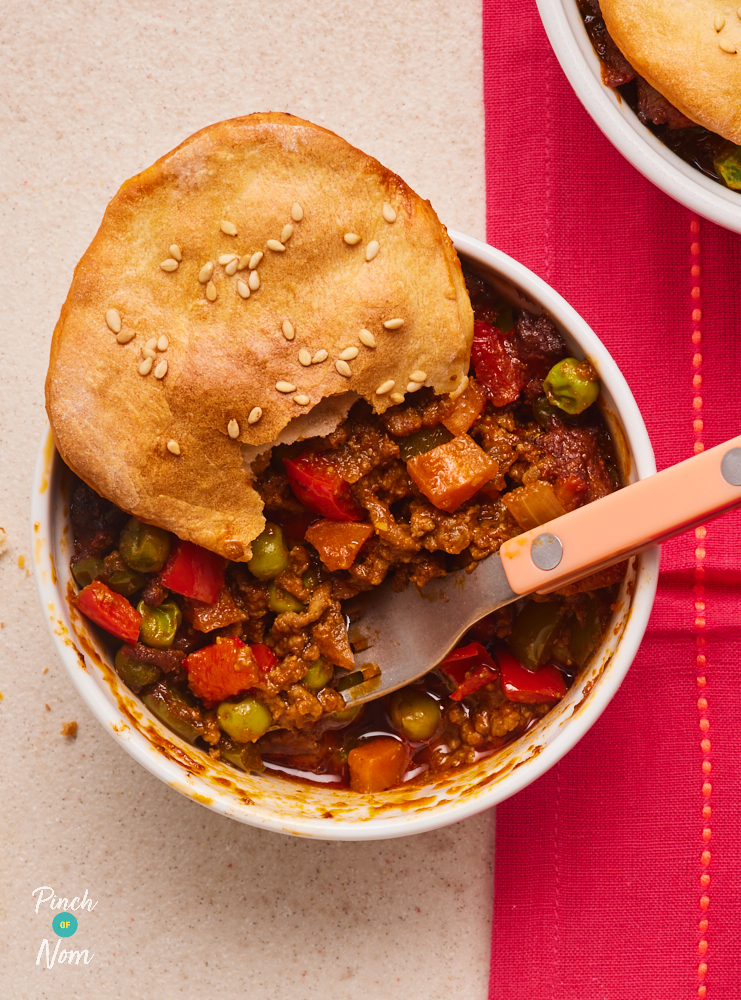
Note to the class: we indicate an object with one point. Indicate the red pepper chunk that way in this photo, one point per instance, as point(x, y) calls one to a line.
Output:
point(265, 658)
point(527, 686)
point(496, 364)
point(470, 668)
point(110, 610)
point(319, 486)
point(222, 670)
point(194, 572)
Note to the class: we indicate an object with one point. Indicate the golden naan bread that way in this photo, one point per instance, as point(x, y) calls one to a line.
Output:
point(272, 255)
point(688, 50)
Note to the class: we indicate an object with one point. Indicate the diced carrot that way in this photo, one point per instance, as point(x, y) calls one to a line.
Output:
point(467, 408)
point(451, 473)
point(533, 505)
point(338, 542)
point(377, 764)
point(206, 617)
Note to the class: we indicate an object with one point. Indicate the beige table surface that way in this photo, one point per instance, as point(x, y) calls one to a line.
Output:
point(191, 904)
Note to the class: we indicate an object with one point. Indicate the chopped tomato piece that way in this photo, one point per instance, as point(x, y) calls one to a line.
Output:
point(338, 542)
point(466, 409)
point(451, 473)
point(496, 364)
point(265, 658)
point(110, 610)
point(206, 617)
point(470, 668)
point(377, 764)
point(319, 486)
point(528, 686)
point(222, 670)
point(194, 572)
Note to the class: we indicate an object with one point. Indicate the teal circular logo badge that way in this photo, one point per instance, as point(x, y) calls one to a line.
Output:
point(64, 924)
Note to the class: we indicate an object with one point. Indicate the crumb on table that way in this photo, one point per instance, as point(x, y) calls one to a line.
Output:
point(69, 729)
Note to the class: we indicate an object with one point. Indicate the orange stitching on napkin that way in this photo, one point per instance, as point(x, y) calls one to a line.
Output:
point(699, 595)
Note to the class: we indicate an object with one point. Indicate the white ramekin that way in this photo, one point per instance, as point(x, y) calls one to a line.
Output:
point(287, 807)
point(568, 36)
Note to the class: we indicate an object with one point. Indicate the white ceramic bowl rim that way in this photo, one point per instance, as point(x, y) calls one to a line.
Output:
point(373, 824)
point(687, 185)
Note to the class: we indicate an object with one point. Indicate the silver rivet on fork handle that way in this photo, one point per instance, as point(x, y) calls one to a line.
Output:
point(546, 550)
point(730, 467)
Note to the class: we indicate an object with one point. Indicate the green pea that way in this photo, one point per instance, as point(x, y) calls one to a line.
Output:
point(144, 547)
point(728, 165)
point(135, 674)
point(159, 625)
point(245, 721)
point(571, 385)
point(319, 675)
point(269, 553)
point(423, 441)
point(414, 713)
point(87, 570)
point(534, 631)
point(348, 714)
point(280, 600)
point(123, 580)
point(543, 410)
point(126, 581)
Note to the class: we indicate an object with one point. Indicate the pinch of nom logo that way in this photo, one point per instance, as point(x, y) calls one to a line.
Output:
point(64, 925)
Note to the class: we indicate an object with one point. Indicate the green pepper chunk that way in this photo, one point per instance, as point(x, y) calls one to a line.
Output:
point(310, 579)
point(243, 755)
point(505, 318)
point(280, 600)
point(269, 553)
point(170, 707)
point(144, 547)
point(245, 721)
point(571, 385)
point(350, 680)
point(533, 633)
point(414, 713)
point(159, 625)
point(728, 166)
point(135, 674)
point(423, 441)
point(87, 570)
point(319, 675)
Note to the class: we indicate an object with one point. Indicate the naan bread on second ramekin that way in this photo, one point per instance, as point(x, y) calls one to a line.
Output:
point(261, 268)
point(688, 50)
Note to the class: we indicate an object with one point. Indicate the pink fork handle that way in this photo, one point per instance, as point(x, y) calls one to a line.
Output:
point(632, 519)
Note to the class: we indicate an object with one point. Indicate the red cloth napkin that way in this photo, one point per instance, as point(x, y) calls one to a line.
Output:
point(617, 873)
